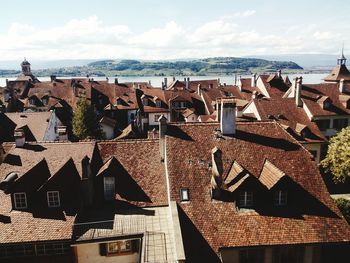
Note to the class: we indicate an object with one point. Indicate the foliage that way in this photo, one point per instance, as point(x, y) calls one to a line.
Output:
point(85, 122)
point(337, 160)
point(344, 207)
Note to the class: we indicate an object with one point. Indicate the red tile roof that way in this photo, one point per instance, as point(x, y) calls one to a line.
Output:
point(188, 160)
point(140, 160)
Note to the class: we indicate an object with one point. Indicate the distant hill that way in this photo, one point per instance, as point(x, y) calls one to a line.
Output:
point(194, 67)
point(208, 66)
point(307, 61)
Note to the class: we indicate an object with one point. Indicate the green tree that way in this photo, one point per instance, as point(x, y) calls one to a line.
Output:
point(344, 207)
point(85, 122)
point(337, 160)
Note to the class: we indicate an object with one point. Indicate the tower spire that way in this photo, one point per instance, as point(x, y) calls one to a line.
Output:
point(342, 59)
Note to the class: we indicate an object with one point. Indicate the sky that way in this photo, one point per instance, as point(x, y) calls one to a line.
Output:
point(177, 29)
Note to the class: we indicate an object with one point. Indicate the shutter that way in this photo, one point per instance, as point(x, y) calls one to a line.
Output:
point(135, 245)
point(103, 249)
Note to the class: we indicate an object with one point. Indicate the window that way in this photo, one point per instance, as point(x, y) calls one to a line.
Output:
point(158, 103)
point(20, 200)
point(246, 199)
point(314, 153)
point(118, 247)
point(184, 195)
point(280, 198)
point(339, 124)
point(53, 199)
point(109, 188)
point(323, 124)
point(145, 101)
point(255, 255)
point(156, 117)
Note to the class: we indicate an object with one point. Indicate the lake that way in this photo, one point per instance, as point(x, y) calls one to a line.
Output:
point(157, 81)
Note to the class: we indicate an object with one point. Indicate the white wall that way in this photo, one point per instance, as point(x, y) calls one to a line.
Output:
point(192, 118)
point(50, 134)
point(151, 121)
point(90, 253)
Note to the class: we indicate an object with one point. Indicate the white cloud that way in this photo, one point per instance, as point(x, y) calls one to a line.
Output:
point(226, 36)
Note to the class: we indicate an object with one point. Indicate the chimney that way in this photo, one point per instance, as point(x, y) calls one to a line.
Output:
point(62, 133)
point(173, 78)
point(7, 83)
point(162, 85)
point(188, 83)
point(228, 117)
point(253, 84)
point(162, 131)
point(279, 73)
point(116, 81)
point(299, 83)
point(254, 94)
point(165, 82)
point(199, 89)
point(53, 78)
point(341, 86)
point(20, 138)
point(216, 173)
point(235, 79)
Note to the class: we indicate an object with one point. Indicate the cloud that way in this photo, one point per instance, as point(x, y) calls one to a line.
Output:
point(226, 36)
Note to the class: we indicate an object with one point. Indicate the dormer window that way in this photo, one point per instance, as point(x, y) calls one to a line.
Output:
point(158, 103)
point(184, 194)
point(53, 199)
point(245, 199)
point(145, 101)
point(109, 188)
point(280, 198)
point(45, 100)
point(20, 200)
point(326, 105)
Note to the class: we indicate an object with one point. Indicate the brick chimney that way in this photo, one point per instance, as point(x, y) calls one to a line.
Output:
point(298, 86)
point(20, 138)
point(162, 131)
point(228, 117)
point(341, 86)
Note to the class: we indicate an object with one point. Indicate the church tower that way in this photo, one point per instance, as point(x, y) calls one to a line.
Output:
point(25, 65)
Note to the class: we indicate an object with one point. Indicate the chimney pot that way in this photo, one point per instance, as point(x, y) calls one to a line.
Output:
point(19, 138)
point(341, 86)
point(254, 78)
point(299, 83)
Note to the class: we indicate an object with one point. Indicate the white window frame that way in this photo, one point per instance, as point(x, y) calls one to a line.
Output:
point(15, 199)
point(246, 199)
point(53, 199)
point(106, 187)
point(118, 249)
point(184, 195)
point(281, 198)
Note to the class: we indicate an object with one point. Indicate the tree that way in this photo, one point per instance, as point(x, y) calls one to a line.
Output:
point(337, 160)
point(344, 207)
point(85, 122)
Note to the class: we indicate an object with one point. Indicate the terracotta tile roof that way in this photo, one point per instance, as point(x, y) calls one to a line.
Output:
point(41, 225)
point(37, 122)
point(139, 160)
point(108, 121)
point(285, 112)
point(270, 175)
point(313, 94)
point(338, 73)
point(188, 160)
